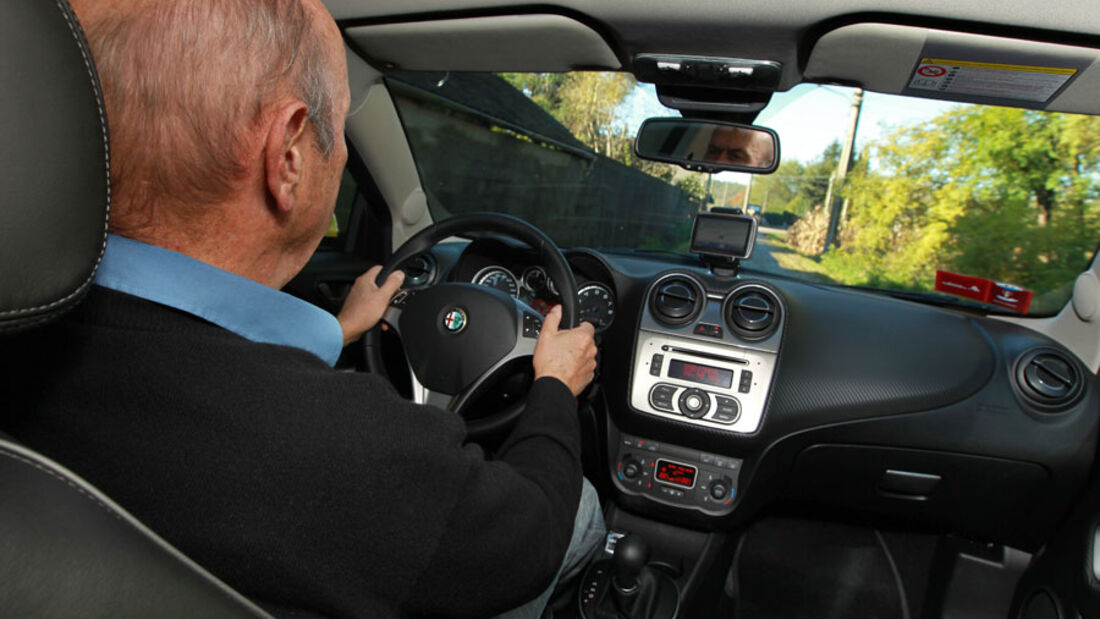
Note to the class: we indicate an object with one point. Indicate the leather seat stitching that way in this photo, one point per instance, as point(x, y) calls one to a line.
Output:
point(57, 476)
point(70, 19)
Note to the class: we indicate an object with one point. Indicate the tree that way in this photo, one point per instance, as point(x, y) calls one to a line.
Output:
point(585, 102)
point(1003, 193)
point(796, 187)
point(780, 189)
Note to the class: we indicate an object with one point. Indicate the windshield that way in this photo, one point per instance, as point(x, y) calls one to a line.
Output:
point(895, 193)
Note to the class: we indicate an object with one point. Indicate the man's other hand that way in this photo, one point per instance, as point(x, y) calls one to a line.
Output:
point(568, 355)
point(366, 302)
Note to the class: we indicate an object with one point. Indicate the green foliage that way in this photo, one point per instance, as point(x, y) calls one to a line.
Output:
point(585, 102)
point(1002, 193)
point(795, 187)
point(691, 185)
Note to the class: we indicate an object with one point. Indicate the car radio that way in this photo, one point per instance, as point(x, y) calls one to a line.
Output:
point(705, 368)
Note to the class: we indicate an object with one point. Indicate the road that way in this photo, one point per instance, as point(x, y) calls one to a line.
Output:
point(763, 256)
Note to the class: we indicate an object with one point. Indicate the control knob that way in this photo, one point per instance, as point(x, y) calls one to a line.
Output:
point(720, 488)
point(631, 467)
point(694, 403)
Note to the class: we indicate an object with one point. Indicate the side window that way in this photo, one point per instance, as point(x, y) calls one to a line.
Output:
point(337, 234)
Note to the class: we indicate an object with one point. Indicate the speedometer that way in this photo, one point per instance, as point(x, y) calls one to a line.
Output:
point(596, 304)
point(499, 278)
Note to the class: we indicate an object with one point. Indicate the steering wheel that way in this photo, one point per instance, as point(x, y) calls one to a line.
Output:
point(458, 336)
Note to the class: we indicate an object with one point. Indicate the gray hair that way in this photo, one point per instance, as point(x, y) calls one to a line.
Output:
point(184, 80)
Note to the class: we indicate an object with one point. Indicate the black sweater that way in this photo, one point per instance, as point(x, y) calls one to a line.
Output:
point(305, 488)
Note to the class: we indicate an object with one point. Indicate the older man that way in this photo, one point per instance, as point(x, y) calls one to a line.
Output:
point(202, 399)
point(743, 147)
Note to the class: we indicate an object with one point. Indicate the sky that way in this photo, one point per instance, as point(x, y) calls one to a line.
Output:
point(807, 117)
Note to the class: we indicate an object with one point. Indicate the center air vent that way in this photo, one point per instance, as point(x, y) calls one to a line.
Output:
point(677, 300)
point(1049, 379)
point(752, 311)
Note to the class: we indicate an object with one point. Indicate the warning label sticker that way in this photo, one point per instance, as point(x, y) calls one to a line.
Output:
point(987, 79)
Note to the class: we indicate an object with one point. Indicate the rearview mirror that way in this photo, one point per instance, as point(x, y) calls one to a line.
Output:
point(709, 146)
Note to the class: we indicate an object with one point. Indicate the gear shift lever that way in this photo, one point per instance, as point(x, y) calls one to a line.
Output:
point(635, 590)
point(631, 556)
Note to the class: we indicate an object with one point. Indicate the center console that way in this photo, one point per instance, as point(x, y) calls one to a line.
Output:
point(705, 359)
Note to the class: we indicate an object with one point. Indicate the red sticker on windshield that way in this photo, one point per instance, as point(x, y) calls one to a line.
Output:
point(977, 288)
point(984, 290)
point(1011, 297)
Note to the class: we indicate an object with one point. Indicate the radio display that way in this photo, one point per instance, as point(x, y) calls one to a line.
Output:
point(676, 474)
point(700, 373)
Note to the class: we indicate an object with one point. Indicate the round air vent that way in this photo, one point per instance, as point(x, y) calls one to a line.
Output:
point(677, 300)
point(752, 311)
point(1049, 379)
point(419, 270)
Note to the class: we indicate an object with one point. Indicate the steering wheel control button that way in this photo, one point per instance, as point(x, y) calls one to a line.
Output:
point(655, 364)
point(661, 397)
point(532, 325)
point(708, 330)
point(694, 403)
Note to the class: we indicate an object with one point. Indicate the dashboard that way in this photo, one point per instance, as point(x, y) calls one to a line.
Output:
point(721, 396)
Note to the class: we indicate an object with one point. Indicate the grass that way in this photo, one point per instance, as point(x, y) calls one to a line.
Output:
point(790, 260)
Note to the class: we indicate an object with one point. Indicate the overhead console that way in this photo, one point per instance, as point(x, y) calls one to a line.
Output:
point(705, 358)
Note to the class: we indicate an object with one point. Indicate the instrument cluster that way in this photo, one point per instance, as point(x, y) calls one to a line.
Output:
point(595, 301)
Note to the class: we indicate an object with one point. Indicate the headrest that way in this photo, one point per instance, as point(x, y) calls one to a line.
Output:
point(54, 165)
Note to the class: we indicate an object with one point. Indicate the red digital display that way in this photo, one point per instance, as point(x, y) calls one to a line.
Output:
point(700, 373)
point(679, 474)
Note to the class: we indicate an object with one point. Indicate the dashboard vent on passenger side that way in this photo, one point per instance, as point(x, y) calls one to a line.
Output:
point(1049, 380)
point(677, 300)
point(752, 311)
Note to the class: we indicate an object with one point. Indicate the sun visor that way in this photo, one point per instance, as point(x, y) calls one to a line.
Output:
point(496, 43)
point(956, 66)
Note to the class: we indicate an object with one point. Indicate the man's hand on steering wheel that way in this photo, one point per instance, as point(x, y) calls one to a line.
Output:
point(568, 355)
point(366, 302)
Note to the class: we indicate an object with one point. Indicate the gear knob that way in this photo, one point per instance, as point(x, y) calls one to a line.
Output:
point(631, 555)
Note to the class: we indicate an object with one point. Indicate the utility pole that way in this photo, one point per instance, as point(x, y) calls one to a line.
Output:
point(748, 190)
point(833, 202)
point(705, 206)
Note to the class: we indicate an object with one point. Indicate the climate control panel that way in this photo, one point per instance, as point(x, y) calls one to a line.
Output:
point(676, 475)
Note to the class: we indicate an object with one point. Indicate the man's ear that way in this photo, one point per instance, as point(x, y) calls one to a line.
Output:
point(284, 154)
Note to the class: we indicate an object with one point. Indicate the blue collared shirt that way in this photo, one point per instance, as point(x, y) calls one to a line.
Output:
point(236, 303)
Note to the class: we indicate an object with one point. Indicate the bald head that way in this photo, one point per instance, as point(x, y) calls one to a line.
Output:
point(188, 84)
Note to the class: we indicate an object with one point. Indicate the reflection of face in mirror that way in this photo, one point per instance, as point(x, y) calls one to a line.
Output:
point(743, 147)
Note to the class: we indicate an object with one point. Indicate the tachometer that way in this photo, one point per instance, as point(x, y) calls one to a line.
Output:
point(499, 278)
point(596, 304)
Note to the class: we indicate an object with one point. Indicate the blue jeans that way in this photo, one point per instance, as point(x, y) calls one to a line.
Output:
point(589, 532)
